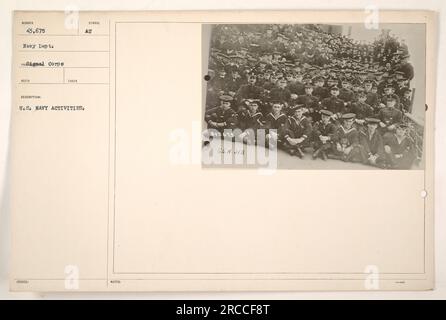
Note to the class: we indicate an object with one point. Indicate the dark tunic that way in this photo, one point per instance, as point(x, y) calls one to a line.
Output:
point(248, 91)
point(402, 152)
point(333, 104)
point(225, 118)
point(390, 116)
point(346, 95)
point(277, 123)
point(361, 109)
point(372, 145)
point(282, 95)
point(321, 129)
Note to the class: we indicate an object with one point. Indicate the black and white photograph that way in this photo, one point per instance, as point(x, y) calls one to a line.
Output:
point(316, 96)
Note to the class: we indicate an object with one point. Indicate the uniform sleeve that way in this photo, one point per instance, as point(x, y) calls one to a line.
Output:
point(399, 117)
point(381, 115)
point(307, 128)
point(316, 132)
point(369, 112)
point(379, 146)
point(364, 143)
point(332, 132)
point(287, 130)
point(267, 122)
point(355, 137)
point(260, 122)
point(239, 95)
point(209, 115)
point(231, 121)
point(336, 136)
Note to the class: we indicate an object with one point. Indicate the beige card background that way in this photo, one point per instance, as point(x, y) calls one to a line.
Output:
point(102, 194)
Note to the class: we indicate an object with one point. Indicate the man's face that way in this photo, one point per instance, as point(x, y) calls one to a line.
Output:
point(277, 107)
point(400, 132)
point(348, 123)
point(372, 127)
point(319, 83)
point(253, 107)
point(252, 80)
point(266, 76)
point(282, 84)
point(334, 92)
point(387, 90)
point(325, 118)
point(299, 112)
point(309, 90)
point(345, 85)
point(368, 86)
point(299, 78)
point(225, 104)
point(407, 94)
point(391, 103)
point(362, 98)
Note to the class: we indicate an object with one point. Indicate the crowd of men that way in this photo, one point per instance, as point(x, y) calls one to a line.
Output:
point(310, 89)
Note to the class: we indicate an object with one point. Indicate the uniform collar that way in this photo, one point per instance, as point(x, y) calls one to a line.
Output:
point(253, 114)
point(347, 131)
point(297, 120)
point(275, 118)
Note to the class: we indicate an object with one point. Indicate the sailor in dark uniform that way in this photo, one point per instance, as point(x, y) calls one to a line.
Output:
point(275, 124)
point(221, 117)
point(323, 135)
point(346, 141)
point(399, 148)
point(254, 121)
point(372, 144)
point(389, 116)
point(361, 109)
point(297, 132)
point(310, 102)
point(250, 90)
point(333, 103)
